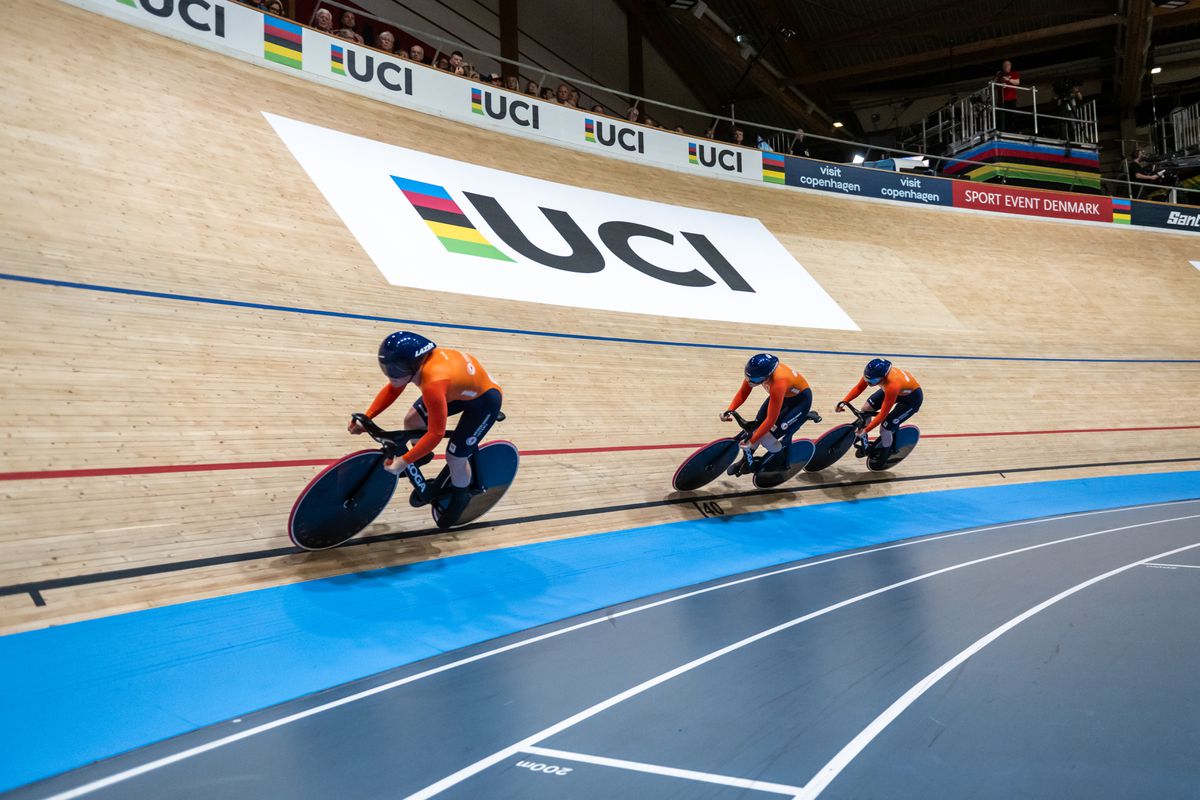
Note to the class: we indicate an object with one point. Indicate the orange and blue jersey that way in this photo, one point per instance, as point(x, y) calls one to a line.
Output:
point(896, 384)
point(446, 376)
point(784, 383)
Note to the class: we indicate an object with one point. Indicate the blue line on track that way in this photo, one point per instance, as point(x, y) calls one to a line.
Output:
point(216, 301)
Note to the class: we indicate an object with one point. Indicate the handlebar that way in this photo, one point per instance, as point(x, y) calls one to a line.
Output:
point(397, 441)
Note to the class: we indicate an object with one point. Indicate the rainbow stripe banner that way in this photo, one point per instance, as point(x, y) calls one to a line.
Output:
point(773, 168)
point(692, 153)
point(283, 42)
point(589, 130)
point(476, 101)
point(337, 58)
point(447, 221)
point(1122, 210)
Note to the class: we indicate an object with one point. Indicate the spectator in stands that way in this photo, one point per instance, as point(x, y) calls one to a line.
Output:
point(323, 19)
point(573, 99)
point(598, 109)
point(531, 89)
point(461, 69)
point(275, 7)
point(456, 60)
point(443, 63)
point(547, 93)
point(1008, 78)
point(797, 147)
point(385, 41)
point(347, 31)
point(513, 84)
point(739, 137)
point(679, 129)
point(562, 94)
point(399, 53)
point(417, 53)
point(648, 121)
point(633, 114)
point(1139, 169)
point(495, 80)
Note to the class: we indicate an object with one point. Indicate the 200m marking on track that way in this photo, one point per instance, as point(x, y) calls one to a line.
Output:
point(549, 769)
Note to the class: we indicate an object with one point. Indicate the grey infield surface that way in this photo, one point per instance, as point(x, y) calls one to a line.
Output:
point(1095, 696)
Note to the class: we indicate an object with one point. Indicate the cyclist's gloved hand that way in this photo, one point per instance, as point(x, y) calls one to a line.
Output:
point(726, 416)
point(355, 427)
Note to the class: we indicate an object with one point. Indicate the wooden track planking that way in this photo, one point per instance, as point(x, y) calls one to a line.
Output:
point(120, 172)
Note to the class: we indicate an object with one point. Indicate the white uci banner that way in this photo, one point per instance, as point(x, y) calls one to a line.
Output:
point(443, 225)
point(287, 46)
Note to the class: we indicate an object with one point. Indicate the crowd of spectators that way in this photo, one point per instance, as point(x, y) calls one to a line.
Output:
point(345, 25)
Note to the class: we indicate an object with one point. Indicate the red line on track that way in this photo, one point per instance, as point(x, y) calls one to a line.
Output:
point(322, 462)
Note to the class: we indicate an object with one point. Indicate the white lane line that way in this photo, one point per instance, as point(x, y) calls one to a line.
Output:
point(530, 741)
point(1175, 566)
point(655, 769)
point(848, 753)
point(150, 766)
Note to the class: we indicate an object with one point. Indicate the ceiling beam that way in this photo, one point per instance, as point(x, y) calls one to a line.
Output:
point(1133, 45)
point(970, 53)
point(679, 61)
point(782, 15)
point(729, 52)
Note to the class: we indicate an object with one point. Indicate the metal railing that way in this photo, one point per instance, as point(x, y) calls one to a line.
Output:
point(978, 116)
point(788, 141)
point(1179, 131)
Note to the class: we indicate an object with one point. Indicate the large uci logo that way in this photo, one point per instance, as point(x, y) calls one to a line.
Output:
point(458, 234)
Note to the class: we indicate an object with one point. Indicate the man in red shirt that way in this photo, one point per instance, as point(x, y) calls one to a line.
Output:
point(1008, 78)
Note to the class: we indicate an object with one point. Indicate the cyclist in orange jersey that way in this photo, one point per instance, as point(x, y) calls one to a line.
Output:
point(450, 383)
point(787, 407)
point(898, 398)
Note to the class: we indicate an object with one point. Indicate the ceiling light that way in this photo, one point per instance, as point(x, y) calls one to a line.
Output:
point(858, 158)
point(837, 124)
point(1155, 70)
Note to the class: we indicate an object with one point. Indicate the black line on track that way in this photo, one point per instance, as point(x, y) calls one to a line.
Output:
point(36, 597)
point(35, 588)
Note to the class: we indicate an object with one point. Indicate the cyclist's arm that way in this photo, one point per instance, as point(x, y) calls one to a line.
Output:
point(856, 391)
point(778, 390)
point(434, 395)
point(890, 393)
point(387, 395)
point(742, 393)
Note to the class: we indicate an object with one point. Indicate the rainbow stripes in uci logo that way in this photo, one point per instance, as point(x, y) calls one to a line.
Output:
point(476, 101)
point(447, 221)
point(773, 168)
point(589, 130)
point(692, 153)
point(283, 42)
point(1122, 210)
point(337, 59)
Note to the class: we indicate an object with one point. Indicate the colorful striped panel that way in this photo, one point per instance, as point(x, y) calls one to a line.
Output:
point(283, 42)
point(1122, 210)
point(589, 130)
point(773, 168)
point(446, 220)
point(1015, 152)
point(1036, 175)
point(336, 59)
point(476, 101)
point(692, 153)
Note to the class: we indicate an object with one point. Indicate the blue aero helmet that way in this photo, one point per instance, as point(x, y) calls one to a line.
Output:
point(760, 367)
point(877, 370)
point(402, 352)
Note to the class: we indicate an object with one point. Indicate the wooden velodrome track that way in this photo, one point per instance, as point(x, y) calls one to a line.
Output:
point(135, 161)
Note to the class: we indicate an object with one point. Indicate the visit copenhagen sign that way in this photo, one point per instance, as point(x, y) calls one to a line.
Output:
point(443, 225)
